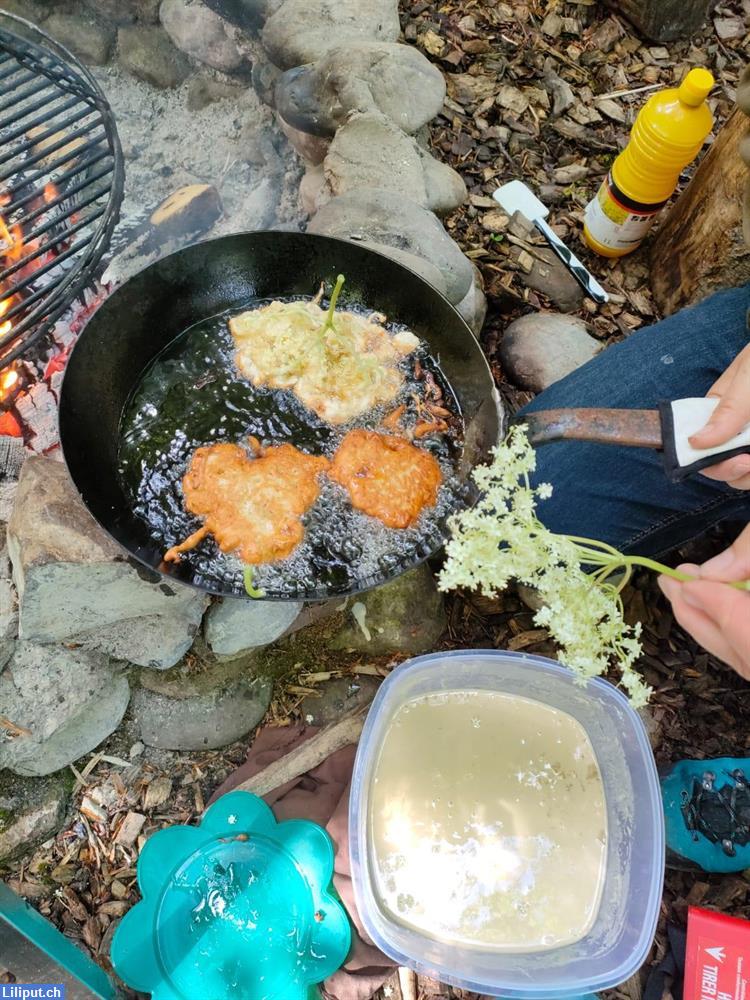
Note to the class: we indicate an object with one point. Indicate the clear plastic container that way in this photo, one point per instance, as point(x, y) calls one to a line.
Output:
point(622, 934)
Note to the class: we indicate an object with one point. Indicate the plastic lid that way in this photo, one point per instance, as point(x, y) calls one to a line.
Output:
point(696, 87)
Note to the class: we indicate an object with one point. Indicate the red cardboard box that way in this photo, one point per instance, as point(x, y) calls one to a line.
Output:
point(717, 957)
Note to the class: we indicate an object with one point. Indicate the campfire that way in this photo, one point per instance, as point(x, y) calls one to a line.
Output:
point(60, 189)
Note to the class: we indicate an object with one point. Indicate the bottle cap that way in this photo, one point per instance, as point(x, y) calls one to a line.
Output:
point(696, 87)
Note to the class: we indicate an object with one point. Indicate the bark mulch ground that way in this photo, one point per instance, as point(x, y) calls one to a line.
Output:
point(544, 91)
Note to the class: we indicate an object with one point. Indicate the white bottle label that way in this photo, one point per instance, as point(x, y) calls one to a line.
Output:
point(614, 225)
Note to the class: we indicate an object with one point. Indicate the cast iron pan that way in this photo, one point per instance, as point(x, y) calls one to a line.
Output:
point(149, 310)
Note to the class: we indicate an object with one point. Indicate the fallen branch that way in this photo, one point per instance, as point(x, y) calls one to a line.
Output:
point(312, 752)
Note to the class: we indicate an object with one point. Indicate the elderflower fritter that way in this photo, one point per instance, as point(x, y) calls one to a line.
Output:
point(502, 539)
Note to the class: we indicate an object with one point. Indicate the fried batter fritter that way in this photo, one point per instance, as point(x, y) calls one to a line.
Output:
point(252, 506)
point(386, 477)
point(339, 372)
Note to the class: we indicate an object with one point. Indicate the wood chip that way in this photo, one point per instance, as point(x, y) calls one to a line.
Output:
point(495, 221)
point(114, 908)
point(130, 828)
point(525, 261)
point(92, 811)
point(157, 792)
point(118, 889)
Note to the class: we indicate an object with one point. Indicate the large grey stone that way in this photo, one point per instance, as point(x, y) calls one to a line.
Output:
point(200, 709)
point(200, 32)
point(420, 265)
point(380, 216)
point(31, 810)
point(406, 615)
point(370, 151)
point(86, 38)
point(148, 53)
point(232, 625)
point(541, 348)
point(75, 584)
point(366, 76)
point(336, 697)
point(302, 31)
point(68, 699)
point(125, 11)
point(473, 306)
point(246, 14)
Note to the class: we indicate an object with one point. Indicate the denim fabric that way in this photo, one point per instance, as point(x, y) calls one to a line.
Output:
point(622, 495)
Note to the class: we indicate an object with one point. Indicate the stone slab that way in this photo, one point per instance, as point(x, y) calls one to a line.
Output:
point(233, 626)
point(31, 810)
point(75, 584)
point(68, 699)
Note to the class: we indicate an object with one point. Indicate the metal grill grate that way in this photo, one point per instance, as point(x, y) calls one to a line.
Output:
point(61, 182)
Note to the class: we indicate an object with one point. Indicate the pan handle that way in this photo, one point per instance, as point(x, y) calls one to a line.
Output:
point(630, 428)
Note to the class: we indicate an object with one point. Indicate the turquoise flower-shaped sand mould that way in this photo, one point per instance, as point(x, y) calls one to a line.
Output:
point(239, 907)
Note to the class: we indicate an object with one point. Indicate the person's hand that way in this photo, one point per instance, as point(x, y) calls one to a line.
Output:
point(728, 419)
point(717, 616)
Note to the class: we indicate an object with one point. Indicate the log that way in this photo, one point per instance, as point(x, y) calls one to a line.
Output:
point(700, 246)
point(309, 754)
point(664, 20)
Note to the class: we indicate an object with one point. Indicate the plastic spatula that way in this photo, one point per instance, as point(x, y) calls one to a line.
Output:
point(516, 197)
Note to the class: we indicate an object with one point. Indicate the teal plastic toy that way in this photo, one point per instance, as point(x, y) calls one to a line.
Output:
point(238, 908)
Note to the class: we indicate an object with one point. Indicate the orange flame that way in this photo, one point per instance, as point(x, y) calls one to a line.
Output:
point(11, 250)
point(8, 380)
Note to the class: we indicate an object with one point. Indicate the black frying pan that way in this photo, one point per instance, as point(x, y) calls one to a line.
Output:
point(149, 310)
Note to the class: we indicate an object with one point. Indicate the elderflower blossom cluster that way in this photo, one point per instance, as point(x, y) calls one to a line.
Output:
point(502, 539)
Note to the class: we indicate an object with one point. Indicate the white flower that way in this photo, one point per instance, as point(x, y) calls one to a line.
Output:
point(502, 539)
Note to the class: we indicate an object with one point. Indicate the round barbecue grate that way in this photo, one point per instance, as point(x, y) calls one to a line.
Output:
point(61, 182)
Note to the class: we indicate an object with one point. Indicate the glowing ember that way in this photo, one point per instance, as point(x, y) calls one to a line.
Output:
point(50, 191)
point(8, 380)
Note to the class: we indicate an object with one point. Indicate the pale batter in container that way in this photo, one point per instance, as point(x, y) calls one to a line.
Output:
point(488, 822)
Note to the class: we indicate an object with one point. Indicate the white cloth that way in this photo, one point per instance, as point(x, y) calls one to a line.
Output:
point(691, 415)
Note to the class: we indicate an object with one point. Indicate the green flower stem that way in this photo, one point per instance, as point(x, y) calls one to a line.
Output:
point(328, 325)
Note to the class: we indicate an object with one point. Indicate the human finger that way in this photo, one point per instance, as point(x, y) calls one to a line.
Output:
point(733, 411)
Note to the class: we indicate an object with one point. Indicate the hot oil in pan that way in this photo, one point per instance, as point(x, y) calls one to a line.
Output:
point(193, 395)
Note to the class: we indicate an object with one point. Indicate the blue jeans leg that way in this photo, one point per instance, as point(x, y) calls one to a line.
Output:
point(622, 495)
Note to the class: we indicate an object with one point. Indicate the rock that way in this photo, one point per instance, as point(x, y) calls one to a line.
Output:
point(424, 268)
point(200, 32)
point(86, 38)
point(382, 216)
point(336, 697)
point(370, 151)
point(69, 700)
point(264, 78)
point(473, 306)
point(30, 10)
point(234, 625)
point(75, 585)
point(205, 90)
point(366, 76)
point(246, 14)
point(202, 709)
point(120, 12)
point(445, 188)
point(541, 348)
point(311, 148)
point(31, 810)
point(313, 191)
point(404, 616)
point(302, 31)
point(148, 53)
point(545, 272)
point(664, 20)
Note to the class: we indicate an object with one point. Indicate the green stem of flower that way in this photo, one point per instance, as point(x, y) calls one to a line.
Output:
point(328, 325)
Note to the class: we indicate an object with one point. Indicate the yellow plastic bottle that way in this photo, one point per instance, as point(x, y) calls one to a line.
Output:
point(668, 134)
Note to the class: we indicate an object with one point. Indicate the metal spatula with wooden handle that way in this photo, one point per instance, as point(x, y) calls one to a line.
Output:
point(667, 429)
point(516, 197)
